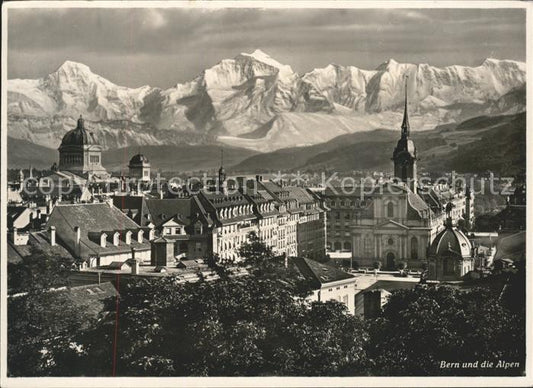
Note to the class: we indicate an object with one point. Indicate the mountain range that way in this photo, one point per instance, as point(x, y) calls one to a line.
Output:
point(252, 101)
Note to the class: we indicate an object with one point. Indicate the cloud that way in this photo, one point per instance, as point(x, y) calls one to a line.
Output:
point(155, 19)
point(177, 44)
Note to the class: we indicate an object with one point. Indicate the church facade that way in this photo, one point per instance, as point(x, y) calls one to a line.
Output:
point(395, 220)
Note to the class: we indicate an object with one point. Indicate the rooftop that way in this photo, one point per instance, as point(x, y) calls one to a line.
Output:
point(320, 273)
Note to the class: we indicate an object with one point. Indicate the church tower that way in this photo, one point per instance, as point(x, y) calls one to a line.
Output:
point(404, 155)
point(222, 184)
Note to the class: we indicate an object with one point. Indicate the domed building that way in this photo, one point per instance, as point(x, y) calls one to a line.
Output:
point(80, 153)
point(450, 255)
point(139, 167)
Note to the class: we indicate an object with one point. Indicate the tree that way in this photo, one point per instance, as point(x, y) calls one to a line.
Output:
point(420, 328)
point(43, 330)
point(256, 254)
point(43, 323)
point(233, 327)
point(38, 271)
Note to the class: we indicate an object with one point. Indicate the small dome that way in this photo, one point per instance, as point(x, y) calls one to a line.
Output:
point(451, 240)
point(78, 136)
point(139, 159)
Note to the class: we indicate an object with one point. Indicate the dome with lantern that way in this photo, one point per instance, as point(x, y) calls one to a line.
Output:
point(78, 136)
point(451, 241)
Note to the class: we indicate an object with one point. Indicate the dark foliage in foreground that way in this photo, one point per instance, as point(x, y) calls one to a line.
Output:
point(261, 325)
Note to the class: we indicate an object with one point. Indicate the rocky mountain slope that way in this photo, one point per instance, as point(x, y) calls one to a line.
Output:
point(253, 101)
point(483, 143)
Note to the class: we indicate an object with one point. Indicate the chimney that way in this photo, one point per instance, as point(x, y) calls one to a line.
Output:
point(140, 236)
point(77, 230)
point(15, 234)
point(134, 263)
point(77, 241)
point(53, 236)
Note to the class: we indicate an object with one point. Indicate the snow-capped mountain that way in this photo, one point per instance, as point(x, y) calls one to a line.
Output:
point(256, 102)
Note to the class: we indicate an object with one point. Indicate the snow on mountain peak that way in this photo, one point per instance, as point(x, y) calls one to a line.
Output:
point(74, 68)
point(263, 57)
point(73, 65)
point(247, 92)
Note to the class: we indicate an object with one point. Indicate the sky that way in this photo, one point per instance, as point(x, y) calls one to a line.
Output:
point(162, 47)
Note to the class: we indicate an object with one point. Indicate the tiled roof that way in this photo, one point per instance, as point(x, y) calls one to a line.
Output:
point(511, 246)
point(300, 194)
point(94, 217)
point(134, 205)
point(272, 186)
point(391, 285)
point(14, 212)
point(162, 210)
point(418, 208)
point(37, 240)
point(223, 200)
point(319, 273)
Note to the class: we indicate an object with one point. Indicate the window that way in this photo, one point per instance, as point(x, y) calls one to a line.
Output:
point(390, 210)
point(347, 246)
point(145, 173)
point(94, 159)
point(414, 248)
point(390, 241)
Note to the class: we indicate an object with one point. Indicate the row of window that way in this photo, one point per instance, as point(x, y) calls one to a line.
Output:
point(368, 246)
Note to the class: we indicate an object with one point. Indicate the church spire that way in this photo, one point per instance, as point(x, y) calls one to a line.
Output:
point(222, 173)
point(405, 123)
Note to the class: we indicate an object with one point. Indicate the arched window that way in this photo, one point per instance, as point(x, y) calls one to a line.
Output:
point(390, 210)
point(347, 246)
point(414, 248)
point(337, 246)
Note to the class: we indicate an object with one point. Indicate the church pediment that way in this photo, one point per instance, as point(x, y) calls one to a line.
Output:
point(390, 224)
